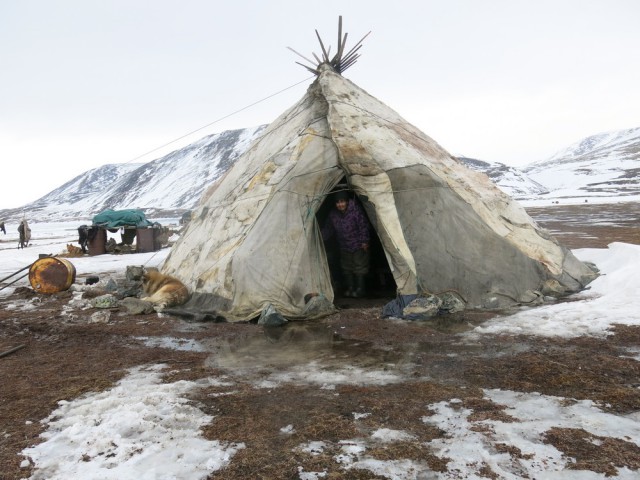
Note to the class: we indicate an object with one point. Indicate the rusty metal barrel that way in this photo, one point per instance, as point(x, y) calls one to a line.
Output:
point(51, 275)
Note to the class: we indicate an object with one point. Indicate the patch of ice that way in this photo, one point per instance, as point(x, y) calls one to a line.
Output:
point(387, 435)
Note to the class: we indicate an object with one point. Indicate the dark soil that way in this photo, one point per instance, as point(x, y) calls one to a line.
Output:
point(63, 357)
point(590, 225)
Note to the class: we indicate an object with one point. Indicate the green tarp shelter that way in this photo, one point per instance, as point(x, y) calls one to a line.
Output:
point(121, 218)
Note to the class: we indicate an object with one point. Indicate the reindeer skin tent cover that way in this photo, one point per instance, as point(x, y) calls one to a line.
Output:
point(254, 239)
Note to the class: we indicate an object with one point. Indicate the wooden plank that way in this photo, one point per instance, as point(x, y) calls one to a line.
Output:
point(324, 51)
point(339, 35)
point(312, 70)
point(346, 65)
point(357, 45)
point(338, 56)
point(300, 55)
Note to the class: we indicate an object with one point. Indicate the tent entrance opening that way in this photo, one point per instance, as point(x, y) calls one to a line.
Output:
point(378, 280)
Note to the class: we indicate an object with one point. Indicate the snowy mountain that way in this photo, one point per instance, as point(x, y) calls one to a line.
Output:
point(600, 168)
point(510, 180)
point(167, 186)
point(603, 167)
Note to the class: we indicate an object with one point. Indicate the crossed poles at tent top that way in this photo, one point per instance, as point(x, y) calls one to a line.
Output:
point(340, 61)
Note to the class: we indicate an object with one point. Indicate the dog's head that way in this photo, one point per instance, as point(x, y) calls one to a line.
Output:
point(149, 275)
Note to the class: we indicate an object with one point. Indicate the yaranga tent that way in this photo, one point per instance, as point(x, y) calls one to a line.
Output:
point(255, 241)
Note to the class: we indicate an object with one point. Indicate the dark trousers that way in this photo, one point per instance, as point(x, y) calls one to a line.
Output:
point(355, 263)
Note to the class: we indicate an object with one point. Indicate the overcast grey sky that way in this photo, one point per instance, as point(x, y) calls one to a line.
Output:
point(84, 83)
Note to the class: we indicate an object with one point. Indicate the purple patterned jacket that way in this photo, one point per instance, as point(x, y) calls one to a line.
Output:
point(351, 228)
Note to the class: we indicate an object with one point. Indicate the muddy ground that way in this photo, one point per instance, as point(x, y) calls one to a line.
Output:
point(64, 356)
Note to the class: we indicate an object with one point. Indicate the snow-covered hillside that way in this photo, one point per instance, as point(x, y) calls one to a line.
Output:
point(600, 168)
point(512, 181)
point(167, 186)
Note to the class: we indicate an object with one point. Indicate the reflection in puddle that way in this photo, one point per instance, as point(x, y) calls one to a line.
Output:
point(300, 343)
point(180, 344)
point(313, 353)
point(454, 323)
point(467, 347)
point(327, 377)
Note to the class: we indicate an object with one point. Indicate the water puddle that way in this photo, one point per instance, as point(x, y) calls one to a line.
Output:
point(299, 343)
point(314, 353)
point(172, 343)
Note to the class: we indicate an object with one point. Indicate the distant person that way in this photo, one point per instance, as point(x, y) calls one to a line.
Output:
point(350, 226)
point(25, 234)
point(4, 230)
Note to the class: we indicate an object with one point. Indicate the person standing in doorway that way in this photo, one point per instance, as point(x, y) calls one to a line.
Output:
point(349, 224)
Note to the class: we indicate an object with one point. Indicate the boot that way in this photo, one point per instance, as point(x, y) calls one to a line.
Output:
point(360, 286)
point(348, 282)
